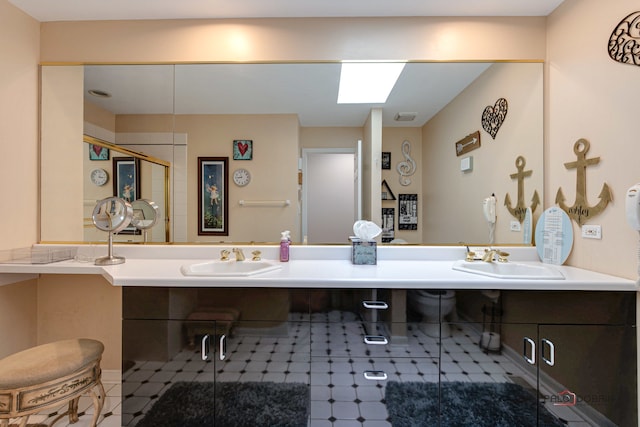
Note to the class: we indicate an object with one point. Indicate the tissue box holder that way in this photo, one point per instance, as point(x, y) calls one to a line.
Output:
point(363, 252)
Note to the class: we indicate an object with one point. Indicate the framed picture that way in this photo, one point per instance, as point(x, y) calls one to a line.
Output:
point(242, 149)
point(97, 152)
point(386, 160)
point(388, 224)
point(126, 178)
point(213, 201)
point(408, 214)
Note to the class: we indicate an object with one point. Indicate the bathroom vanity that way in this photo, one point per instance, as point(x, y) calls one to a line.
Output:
point(334, 326)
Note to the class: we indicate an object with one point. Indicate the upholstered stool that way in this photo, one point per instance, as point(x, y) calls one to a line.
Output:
point(48, 376)
point(202, 320)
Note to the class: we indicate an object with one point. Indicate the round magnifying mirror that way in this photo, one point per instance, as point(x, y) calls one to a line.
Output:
point(113, 215)
point(145, 215)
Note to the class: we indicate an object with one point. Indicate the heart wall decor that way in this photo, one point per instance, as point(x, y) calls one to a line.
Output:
point(242, 149)
point(624, 43)
point(493, 117)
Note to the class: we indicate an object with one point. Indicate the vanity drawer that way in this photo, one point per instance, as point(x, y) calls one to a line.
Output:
point(353, 339)
point(364, 371)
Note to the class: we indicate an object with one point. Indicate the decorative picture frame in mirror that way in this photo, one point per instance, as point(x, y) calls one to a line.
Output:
point(213, 199)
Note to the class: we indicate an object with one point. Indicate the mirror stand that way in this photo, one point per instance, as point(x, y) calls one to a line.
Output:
point(113, 215)
point(110, 259)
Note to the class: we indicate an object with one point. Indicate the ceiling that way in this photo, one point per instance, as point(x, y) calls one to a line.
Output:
point(90, 10)
point(309, 90)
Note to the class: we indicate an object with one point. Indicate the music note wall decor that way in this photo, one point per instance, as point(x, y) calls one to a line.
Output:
point(407, 167)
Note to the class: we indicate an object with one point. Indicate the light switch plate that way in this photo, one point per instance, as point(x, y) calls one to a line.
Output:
point(515, 226)
point(591, 231)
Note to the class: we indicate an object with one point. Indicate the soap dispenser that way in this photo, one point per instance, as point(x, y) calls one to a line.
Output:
point(284, 246)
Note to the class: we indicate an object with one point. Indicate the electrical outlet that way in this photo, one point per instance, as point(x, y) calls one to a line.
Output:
point(591, 231)
point(515, 226)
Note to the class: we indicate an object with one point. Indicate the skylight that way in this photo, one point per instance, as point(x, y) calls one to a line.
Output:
point(367, 82)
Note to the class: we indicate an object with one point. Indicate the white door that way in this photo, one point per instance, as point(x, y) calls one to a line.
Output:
point(330, 194)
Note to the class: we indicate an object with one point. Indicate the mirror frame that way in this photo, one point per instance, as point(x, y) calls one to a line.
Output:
point(164, 163)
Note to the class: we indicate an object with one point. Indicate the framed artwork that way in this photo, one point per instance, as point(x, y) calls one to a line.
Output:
point(126, 178)
point(386, 160)
point(97, 152)
point(408, 214)
point(242, 149)
point(388, 224)
point(213, 200)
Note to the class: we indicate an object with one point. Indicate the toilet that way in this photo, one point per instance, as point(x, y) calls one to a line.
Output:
point(434, 305)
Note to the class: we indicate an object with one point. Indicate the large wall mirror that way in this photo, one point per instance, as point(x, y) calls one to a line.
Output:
point(265, 117)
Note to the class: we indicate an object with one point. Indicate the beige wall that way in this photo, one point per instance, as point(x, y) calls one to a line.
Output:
point(61, 150)
point(19, 55)
point(294, 39)
point(453, 199)
point(81, 306)
point(392, 139)
point(275, 160)
point(330, 137)
point(590, 96)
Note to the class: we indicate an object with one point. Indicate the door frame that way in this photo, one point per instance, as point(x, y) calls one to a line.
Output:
point(357, 152)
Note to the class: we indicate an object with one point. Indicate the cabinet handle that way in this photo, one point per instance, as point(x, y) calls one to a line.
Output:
point(552, 352)
point(375, 375)
point(530, 360)
point(204, 347)
point(223, 347)
point(375, 340)
point(375, 305)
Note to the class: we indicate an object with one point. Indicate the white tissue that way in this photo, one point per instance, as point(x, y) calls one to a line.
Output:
point(366, 230)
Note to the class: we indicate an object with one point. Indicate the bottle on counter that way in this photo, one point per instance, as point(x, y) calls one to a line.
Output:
point(285, 241)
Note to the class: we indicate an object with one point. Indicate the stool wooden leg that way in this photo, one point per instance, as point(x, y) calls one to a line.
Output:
point(73, 410)
point(98, 396)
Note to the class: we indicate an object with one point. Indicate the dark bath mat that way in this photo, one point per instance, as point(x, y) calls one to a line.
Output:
point(415, 404)
point(230, 404)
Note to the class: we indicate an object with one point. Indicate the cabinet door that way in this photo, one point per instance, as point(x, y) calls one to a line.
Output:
point(263, 374)
point(484, 382)
point(588, 373)
point(161, 358)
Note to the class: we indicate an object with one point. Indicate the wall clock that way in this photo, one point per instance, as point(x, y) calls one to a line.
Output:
point(99, 177)
point(241, 177)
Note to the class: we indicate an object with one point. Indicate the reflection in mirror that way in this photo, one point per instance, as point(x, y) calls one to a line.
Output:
point(286, 108)
point(153, 177)
point(145, 216)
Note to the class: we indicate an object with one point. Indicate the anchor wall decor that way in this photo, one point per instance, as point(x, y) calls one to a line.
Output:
point(580, 212)
point(519, 210)
point(624, 43)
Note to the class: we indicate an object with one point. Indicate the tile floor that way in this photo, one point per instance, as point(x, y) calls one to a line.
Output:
point(340, 395)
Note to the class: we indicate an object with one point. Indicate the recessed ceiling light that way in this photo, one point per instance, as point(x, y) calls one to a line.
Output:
point(99, 93)
point(368, 82)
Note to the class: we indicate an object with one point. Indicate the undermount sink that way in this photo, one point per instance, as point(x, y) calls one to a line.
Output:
point(509, 270)
point(228, 268)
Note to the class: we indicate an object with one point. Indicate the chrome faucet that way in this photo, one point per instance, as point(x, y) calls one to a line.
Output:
point(239, 254)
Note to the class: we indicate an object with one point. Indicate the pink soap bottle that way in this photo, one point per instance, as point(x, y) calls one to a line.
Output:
point(284, 247)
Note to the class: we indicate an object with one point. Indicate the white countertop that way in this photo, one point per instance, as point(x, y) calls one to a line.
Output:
point(316, 267)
